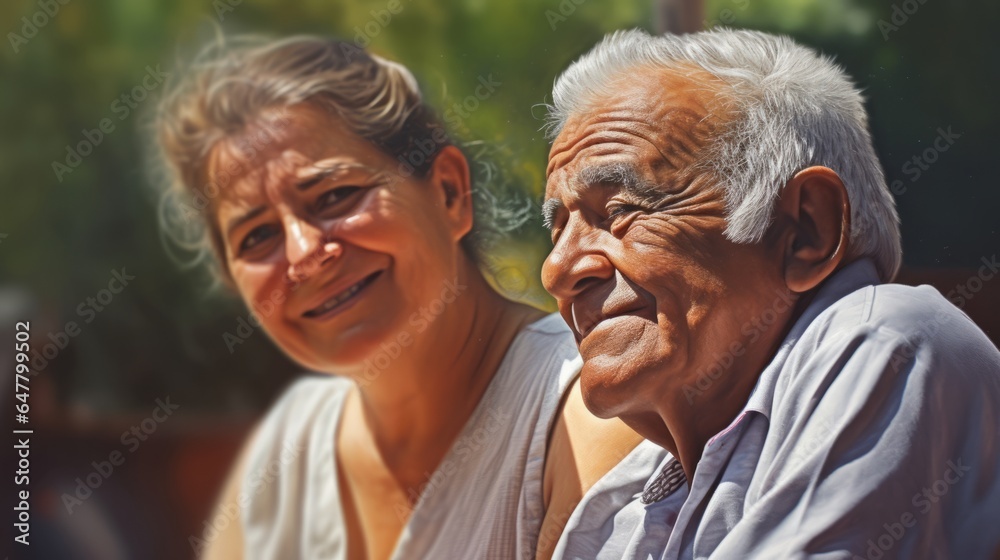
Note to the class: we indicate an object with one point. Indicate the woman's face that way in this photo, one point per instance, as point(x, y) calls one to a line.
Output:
point(330, 241)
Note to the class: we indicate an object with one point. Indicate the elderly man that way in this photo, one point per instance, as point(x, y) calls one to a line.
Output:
point(722, 237)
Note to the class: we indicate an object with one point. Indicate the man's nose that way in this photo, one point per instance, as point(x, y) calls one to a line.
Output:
point(307, 248)
point(575, 263)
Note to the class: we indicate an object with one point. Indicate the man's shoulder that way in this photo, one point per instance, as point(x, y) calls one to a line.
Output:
point(889, 337)
point(914, 317)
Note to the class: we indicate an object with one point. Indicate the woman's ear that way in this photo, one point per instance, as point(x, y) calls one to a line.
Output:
point(814, 217)
point(450, 174)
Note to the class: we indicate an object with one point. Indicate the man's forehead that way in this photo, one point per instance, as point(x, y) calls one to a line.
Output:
point(653, 118)
point(647, 103)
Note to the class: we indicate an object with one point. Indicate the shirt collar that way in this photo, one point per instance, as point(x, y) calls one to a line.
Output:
point(854, 276)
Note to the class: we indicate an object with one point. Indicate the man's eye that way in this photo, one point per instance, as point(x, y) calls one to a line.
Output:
point(258, 235)
point(334, 196)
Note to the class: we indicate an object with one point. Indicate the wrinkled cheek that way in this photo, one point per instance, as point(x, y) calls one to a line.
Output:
point(687, 237)
point(654, 245)
point(655, 269)
point(620, 371)
point(625, 342)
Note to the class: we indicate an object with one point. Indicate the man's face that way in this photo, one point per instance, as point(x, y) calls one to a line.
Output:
point(640, 266)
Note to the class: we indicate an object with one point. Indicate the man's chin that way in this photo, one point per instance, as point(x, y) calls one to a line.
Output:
point(607, 391)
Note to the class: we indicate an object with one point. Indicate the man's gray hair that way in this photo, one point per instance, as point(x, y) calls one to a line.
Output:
point(793, 109)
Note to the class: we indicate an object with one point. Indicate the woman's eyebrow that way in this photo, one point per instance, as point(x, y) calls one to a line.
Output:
point(237, 221)
point(313, 173)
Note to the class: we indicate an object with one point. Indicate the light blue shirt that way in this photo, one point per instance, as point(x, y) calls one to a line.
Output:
point(874, 433)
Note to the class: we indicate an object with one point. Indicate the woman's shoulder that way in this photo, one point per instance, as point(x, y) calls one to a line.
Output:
point(292, 444)
point(311, 390)
point(545, 352)
point(302, 404)
point(548, 336)
point(290, 426)
point(551, 325)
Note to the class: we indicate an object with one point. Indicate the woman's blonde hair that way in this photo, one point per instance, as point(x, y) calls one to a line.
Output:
point(231, 83)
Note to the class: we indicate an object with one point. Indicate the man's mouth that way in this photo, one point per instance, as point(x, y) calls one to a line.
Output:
point(339, 300)
point(585, 321)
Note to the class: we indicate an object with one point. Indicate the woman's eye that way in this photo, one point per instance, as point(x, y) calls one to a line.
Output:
point(334, 196)
point(257, 236)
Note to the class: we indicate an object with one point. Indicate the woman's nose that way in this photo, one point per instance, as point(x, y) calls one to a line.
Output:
point(308, 248)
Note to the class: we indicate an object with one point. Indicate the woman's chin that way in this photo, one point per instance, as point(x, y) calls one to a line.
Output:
point(365, 354)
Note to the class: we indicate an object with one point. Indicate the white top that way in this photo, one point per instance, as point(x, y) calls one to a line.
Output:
point(483, 501)
point(874, 433)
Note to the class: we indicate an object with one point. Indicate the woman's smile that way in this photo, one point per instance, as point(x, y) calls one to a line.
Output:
point(342, 300)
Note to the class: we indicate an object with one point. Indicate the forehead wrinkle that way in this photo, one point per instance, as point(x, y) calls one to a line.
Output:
point(675, 111)
point(679, 136)
point(641, 179)
point(677, 133)
point(600, 131)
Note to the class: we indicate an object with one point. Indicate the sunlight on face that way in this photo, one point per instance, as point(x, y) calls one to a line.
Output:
point(640, 267)
point(332, 246)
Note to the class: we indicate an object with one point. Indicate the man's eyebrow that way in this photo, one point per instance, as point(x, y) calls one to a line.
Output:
point(549, 209)
point(623, 175)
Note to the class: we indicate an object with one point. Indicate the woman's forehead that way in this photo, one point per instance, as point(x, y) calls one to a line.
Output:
point(303, 129)
point(293, 145)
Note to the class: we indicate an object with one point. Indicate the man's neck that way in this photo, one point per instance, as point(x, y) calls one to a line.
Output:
point(683, 423)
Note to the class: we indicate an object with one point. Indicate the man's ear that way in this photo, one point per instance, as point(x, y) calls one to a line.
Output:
point(815, 221)
point(450, 175)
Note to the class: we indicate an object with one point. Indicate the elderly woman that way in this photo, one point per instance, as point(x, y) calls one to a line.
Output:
point(340, 211)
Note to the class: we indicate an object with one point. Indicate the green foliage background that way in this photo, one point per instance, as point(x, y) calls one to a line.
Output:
point(163, 334)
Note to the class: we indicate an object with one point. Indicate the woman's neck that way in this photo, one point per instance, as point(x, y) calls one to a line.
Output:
point(416, 406)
